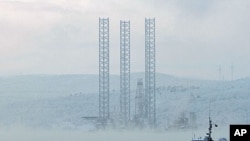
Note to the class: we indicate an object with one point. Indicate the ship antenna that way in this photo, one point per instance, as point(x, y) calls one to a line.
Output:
point(209, 112)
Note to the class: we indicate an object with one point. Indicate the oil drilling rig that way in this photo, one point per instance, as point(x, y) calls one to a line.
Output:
point(145, 99)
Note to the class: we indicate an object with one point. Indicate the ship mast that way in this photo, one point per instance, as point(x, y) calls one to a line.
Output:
point(210, 130)
point(210, 125)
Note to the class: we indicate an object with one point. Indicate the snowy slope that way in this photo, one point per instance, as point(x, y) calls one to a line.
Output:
point(60, 101)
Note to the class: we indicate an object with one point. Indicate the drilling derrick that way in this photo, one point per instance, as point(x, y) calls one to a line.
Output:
point(150, 99)
point(125, 71)
point(139, 103)
point(103, 70)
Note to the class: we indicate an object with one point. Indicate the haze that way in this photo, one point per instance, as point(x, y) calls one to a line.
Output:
point(193, 38)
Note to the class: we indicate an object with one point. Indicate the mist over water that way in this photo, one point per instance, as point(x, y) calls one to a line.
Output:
point(51, 109)
point(19, 133)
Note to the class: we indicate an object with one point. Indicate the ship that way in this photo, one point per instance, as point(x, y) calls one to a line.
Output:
point(208, 136)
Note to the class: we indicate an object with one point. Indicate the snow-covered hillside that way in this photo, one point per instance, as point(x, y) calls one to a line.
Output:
point(60, 101)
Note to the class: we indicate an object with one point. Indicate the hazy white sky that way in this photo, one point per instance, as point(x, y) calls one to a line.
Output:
point(193, 37)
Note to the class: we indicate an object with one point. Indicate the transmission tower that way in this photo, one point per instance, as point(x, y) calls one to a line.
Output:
point(103, 70)
point(125, 71)
point(150, 71)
